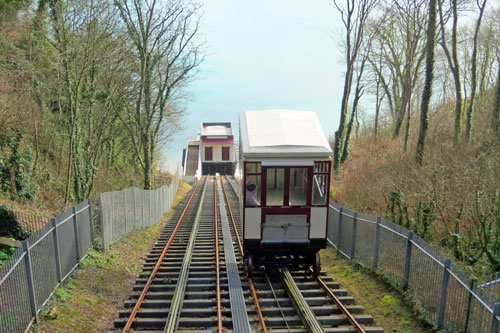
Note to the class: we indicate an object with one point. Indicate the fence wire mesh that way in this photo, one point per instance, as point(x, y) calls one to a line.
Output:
point(126, 210)
point(29, 277)
point(447, 296)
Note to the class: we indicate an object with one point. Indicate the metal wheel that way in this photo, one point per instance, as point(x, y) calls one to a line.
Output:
point(317, 265)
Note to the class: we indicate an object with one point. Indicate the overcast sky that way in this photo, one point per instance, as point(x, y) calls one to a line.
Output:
point(274, 54)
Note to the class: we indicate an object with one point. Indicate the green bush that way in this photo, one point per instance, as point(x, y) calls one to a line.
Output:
point(5, 254)
point(10, 226)
point(15, 169)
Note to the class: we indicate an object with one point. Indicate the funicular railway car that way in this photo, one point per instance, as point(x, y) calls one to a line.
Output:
point(286, 161)
point(217, 148)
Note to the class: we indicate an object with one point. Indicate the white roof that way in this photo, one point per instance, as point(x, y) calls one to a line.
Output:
point(215, 129)
point(282, 133)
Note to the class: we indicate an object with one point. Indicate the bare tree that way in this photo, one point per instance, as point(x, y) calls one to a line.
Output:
point(89, 56)
point(452, 58)
point(399, 48)
point(354, 112)
point(167, 51)
point(354, 15)
point(379, 91)
point(496, 106)
point(470, 109)
point(429, 75)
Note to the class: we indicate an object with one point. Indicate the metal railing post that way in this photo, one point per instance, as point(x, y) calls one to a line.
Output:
point(56, 249)
point(339, 229)
point(135, 208)
point(29, 278)
point(102, 220)
point(112, 219)
point(494, 320)
point(75, 227)
point(444, 292)
point(353, 237)
point(377, 244)
point(91, 224)
point(125, 211)
point(406, 276)
point(143, 199)
point(472, 287)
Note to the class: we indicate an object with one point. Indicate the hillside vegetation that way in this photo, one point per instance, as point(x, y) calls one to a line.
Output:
point(452, 199)
point(89, 93)
point(419, 134)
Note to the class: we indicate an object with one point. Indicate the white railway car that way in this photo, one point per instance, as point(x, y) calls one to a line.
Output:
point(217, 148)
point(285, 162)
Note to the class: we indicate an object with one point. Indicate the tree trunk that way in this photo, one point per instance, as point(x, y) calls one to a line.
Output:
point(378, 102)
point(458, 106)
point(470, 109)
point(429, 75)
point(148, 149)
point(496, 109)
point(339, 134)
point(407, 129)
point(357, 96)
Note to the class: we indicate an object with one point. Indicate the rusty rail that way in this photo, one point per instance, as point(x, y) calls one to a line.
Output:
point(137, 305)
point(341, 306)
point(240, 246)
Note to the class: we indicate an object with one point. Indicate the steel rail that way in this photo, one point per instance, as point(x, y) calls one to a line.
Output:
point(277, 302)
point(257, 305)
point(304, 310)
point(217, 266)
point(180, 290)
point(137, 305)
point(341, 306)
point(250, 281)
point(240, 246)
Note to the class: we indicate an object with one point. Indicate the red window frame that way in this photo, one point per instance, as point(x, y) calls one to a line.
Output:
point(286, 199)
point(225, 153)
point(324, 168)
point(246, 174)
point(209, 154)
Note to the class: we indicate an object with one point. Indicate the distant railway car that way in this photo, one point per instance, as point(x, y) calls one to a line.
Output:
point(285, 162)
point(217, 148)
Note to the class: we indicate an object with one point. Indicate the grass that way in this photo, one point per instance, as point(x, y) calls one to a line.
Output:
point(387, 306)
point(88, 301)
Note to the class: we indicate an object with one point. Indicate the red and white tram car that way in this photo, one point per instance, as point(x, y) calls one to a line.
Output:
point(285, 162)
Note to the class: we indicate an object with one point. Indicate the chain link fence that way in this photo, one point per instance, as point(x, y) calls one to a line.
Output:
point(28, 279)
point(449, 297)
point(30, 276)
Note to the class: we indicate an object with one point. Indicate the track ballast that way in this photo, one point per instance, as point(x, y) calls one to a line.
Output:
point(204, 300)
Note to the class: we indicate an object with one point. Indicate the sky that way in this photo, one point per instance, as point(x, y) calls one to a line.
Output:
point(274, 54)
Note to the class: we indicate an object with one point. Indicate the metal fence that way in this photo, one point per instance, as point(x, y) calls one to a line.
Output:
point(126, 210)
point(29, 278)
point(47, 257)
point(439, 289)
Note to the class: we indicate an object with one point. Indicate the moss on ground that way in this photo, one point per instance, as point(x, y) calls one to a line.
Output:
point(377, 298)
point(88, 301)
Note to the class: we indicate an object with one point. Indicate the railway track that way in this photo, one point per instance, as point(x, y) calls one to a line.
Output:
point(194, 279)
